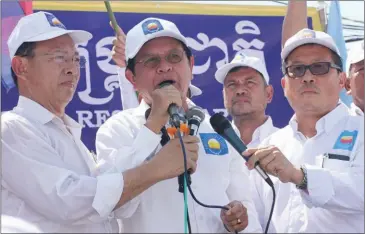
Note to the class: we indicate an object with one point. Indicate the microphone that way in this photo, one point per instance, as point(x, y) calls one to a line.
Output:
point(224, 128)
point(176, 113)
point(195, 116)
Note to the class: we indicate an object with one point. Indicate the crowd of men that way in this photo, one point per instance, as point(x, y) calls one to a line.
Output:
point(316, 163)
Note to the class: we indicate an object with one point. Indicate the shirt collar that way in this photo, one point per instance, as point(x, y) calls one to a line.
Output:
point(34, 111)
point(356, 110)
point(327, 122)
point(263, 131)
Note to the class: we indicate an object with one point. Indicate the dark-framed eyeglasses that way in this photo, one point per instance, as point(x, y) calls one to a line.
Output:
point(317, 69)
point(152, 61)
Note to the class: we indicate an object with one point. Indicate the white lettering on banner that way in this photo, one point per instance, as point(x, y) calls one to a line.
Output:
point(110, 82)
point(93, 119)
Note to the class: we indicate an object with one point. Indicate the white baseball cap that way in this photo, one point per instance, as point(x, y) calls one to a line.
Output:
point(242, 60)
point(195, 91)
point(355, 55)
point(308, 36)
point(149, 29)
point(41, 26)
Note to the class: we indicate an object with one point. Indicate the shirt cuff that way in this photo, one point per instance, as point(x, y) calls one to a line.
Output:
point(145, 143)
point(319, 187)
point(109, 190)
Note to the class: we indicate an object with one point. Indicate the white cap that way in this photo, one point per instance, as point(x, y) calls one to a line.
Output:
point(41, 26)
point(355, 55)
point(149, 29)
point(242, 60)
point(195, 91)
point(308, 36)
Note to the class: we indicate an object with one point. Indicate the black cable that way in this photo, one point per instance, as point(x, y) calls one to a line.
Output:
point(272, 206)
point(186, 173)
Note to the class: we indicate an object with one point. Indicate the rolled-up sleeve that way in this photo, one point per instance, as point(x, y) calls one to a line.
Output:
point(240, 189)
point(36, 173)
point(339, 191)
point(118, 150)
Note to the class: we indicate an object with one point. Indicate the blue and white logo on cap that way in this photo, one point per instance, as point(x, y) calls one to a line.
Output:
point(151, 26)
point(307, 33)
point(53, 21)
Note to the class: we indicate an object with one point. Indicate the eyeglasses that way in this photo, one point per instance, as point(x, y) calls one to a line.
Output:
point(317, 69)
point(152, 61)
point(62, 59)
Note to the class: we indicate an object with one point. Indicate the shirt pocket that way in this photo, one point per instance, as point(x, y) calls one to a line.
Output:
point(336, 162)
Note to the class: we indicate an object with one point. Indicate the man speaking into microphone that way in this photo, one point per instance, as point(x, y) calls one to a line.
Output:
point(156, 54)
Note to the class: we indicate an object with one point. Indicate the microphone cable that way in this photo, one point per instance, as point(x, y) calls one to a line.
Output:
point(185, 178)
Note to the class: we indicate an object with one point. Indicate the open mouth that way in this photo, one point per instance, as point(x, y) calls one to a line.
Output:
point(165, 83)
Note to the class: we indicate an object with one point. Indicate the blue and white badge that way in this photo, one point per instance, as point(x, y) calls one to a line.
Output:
point(346, 140)
point(214, 144)
point(53, 21)
point(151, 26)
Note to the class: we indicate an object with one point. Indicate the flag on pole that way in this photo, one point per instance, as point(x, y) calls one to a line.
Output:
point(334, 28)
point(11, 12)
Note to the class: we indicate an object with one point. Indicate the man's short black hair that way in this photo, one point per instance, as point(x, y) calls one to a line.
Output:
point(131, 62)
point(335, 57)
point(25, 50)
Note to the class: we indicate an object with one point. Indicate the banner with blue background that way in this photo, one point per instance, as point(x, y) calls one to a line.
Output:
point(215, 34)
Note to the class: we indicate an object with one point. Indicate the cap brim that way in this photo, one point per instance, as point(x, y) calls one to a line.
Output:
point(195, 91)
point(288, 49)
point(163, 33)
point(222, 72)
point(78, 36)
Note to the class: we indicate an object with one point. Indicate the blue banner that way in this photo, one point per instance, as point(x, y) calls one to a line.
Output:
point(214, 40)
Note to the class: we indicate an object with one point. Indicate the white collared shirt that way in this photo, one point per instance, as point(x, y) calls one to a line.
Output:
point(260, 133)
point(355, 110)
point(221, 177)
point(48, 175)
point(334, 159)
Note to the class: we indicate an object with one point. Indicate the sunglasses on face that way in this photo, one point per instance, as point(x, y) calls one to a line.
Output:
point(317, 69)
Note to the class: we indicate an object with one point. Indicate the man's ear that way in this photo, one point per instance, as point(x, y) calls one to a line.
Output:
point(269, 93)
point(130, 77)
point(19, 66)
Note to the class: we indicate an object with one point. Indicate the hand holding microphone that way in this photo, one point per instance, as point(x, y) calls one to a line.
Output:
point(162, 98)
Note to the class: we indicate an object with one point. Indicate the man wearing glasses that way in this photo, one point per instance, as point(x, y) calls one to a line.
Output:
point(317, 161)
point(49, 179)
point(156, 52)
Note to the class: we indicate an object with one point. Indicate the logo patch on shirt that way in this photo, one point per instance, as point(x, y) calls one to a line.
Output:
point(151, 26)
point(53, 21)
point(346, 140)
point(214, 144)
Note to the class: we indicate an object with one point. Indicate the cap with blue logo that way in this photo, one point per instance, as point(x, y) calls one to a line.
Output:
point(242, 60)
point(308, 36)
point(41, 26)
point(147, 30)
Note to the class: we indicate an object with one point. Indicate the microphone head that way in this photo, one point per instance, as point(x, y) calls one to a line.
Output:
point(219, 123)
point(195, 111)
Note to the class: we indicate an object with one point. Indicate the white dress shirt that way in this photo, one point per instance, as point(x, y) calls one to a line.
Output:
point(49, 177)
point(221, 177)
point(260, 133)
point(355, 110)
point(334, 159)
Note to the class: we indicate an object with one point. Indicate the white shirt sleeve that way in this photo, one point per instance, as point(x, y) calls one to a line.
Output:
point(240, 189)
point(338, 191)
point(36, 173)
point(117, 148)
point(127, 92)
